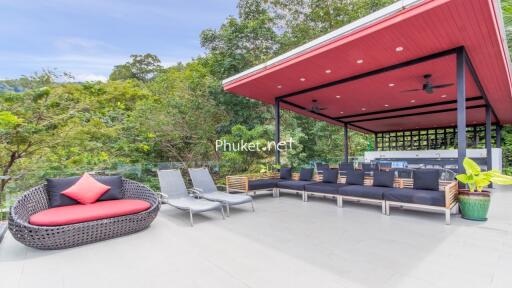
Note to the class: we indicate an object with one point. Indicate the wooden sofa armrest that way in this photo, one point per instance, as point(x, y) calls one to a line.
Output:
point(237, 183)
point(240, 183)
point(450, 194)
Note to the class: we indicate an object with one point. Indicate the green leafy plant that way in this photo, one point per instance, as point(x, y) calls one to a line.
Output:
point(477, 180)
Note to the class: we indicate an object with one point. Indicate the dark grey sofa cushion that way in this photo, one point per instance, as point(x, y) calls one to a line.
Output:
point(262, 184)
point(285, 173)
point(368, 192)
point(415, 196)
point(330, 176)
point(426, 179)
point(54, 187)
point(383, 179)
point(327, 188)
point(306, 174)
point(355, 178)
point(294, 185)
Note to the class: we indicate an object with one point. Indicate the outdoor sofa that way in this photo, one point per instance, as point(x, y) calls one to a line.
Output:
point(36, 224)
point(424, 190)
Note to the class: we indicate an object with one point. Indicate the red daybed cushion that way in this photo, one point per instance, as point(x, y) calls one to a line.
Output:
point(79, 213)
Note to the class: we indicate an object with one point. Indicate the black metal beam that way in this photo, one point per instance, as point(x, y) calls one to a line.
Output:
point(498, 136)
point(277, 131)
point(415, 114)
point(345, 143)
point(323, 115)
point(461, 108)
point(488, 137)
point(473, 73)
point(477, 98)
point(372, 73)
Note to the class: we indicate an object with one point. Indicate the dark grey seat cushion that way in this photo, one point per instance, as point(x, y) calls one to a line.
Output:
point(55, 186)
point(327, 188)
point(369, 192)
point(384, 179)
point(330, 176)
point(294, 185)
point(426, 179)
point(285, 173)
point(415, 196)
point(306, 174)
point(355, 178)
point(261, 184)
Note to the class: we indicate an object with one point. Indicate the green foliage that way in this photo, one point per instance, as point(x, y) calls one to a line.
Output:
point(478, 180)
point(140, 67)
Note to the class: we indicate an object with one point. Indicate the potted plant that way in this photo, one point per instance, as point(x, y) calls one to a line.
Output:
point(474, 201)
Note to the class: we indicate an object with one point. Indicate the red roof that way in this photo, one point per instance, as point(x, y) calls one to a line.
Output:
point(397, 36)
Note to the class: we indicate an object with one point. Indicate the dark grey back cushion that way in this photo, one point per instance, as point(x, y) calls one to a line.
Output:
point(54, 187)
point(306, 174)
point(355, 178)
point(383, 179)
point(285, 173)
point(426, 179)
point(330, 176)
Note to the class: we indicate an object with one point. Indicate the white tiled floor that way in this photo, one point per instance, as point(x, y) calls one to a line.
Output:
point(286, 243)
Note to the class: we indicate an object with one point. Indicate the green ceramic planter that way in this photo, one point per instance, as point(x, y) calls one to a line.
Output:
point(474, 205)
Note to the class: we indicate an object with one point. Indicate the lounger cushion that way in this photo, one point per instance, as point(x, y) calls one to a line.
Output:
point(79, 213)
point(262, 184)
point(330, 176)
point(426, 179)
point(294, 185)
point(231, 199)
point(285, 173)
point(360, 191)
point(306, 174)
point(415, 196)
point(193, 204)
point(355, 178)
point(87, 190)
point(384, 179)
point(55, 186)
point(327, 188)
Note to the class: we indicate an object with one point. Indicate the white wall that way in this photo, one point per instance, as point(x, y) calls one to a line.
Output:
point(452, 153)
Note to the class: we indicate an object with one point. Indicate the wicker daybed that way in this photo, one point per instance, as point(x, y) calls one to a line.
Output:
point(58, 237)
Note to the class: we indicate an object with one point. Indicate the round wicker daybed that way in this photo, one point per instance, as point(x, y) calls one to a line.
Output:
point(58, 237)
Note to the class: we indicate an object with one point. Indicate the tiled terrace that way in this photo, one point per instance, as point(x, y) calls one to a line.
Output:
point(286, 243)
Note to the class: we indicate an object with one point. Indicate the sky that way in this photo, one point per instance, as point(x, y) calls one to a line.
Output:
point(88, 37)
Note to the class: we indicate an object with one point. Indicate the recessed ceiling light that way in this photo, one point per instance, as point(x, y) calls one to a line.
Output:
point(302, 79)
point(338, 96)
point(359, 61)
point(443, 96)
point(474, 122)
point(399, 49)
point(412, 101)
point(363, 109)
point(279, 86)
point(391, 84)
point(328, 71)
point(341, 112)
point(386, 105)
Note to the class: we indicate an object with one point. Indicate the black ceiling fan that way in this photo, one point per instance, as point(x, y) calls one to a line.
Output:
point(315, 108)
point(428, 87)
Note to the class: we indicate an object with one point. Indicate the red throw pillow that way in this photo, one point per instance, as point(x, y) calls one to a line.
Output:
point(86, 190)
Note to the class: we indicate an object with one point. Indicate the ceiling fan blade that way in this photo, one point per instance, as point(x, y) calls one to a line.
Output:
point(323, 108)
point(442, 86)
point(411, 90)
